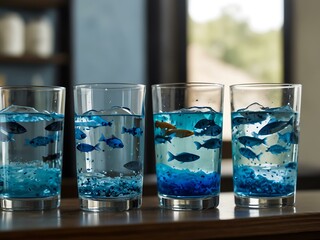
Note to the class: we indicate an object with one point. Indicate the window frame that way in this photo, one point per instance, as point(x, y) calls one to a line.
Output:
point(167, 56)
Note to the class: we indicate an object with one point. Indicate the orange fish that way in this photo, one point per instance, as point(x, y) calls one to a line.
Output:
point(181, 133)
point(164, 125)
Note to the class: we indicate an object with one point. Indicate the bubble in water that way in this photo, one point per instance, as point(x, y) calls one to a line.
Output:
point(120, 110)
point(18, 109)
point(17, 113)
point(91, 112)
point(116, 110)
point(195, 110)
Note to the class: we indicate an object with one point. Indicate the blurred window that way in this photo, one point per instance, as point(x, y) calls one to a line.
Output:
point(235, 41)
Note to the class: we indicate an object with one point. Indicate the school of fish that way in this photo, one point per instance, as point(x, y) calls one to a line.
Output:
point(279, 120)
point(204, 127)
point(11, 128)
point(88, 121)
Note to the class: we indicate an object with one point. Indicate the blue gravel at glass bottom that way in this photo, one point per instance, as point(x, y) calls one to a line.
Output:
point(185, 183)
point(250, 184)
point(29, 182)
point(107, 187)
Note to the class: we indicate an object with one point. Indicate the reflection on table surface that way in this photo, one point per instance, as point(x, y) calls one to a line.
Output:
point(69, 214)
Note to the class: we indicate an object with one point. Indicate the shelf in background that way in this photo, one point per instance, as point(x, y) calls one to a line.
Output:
point(33, 4)
point(57, 59)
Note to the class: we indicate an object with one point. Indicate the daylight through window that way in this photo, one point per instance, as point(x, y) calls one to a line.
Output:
point(235, 41)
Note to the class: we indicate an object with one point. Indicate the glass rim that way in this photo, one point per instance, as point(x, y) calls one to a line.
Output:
point(187, 84)
point(265, 85)
point(104, 86)
point(32, 87)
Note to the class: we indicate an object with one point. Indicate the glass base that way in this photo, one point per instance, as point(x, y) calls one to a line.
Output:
point(264, 202)
point(111, 205)
point(29, 204)
point(188, 204)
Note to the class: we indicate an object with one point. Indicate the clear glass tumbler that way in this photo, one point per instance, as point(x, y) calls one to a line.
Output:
point(31, 138)
point(265, 136)
point(109, 132)
point(188, 142)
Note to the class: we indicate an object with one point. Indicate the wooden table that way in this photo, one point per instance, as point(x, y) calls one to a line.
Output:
point(150, 222)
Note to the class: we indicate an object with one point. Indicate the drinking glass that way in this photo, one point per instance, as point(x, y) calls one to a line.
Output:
point(109, 132)
point(265, 136)
point(31, 138)
point(188, 141)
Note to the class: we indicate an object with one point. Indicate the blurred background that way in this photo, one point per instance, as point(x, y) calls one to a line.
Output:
point(68, 42)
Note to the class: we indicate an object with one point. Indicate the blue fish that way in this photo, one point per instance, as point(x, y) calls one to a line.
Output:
point(249, 118)
point(158, 139)
point(281, 115)
point(213, 130)
point(93, 121)
point(247, 153)
point(283, 109)
point(291, 165)
point(254, 117)
point(55, 126)
point(277, 149)
point(279, 112)
point(251, 141)
point(204, 123)
point(13, 127)
point(100, 121)
point(240, 120)
point(289, 137)
point(183, 157)
point(112, 142)
point(133, 165)
point(80, 134)
point(135, 131)
point(212, 143)
point(207, 127)
point(41, 141)
point(84, 147)
point(273, 127)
